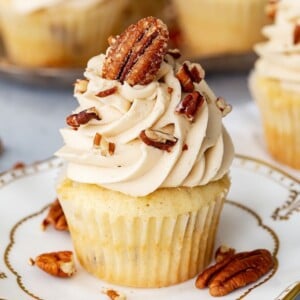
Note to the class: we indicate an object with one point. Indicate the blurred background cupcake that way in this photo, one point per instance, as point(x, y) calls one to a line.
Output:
point(57, 33)
point(218, 27)
point(275, 83)
point(162, 9)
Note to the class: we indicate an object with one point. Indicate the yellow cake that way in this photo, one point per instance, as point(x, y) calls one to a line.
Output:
point(218, 27)
point(147, 163)
point(275, 85)
point(57, 33)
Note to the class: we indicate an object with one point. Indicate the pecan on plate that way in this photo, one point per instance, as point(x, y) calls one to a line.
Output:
point(135, 56)
point(158, 139)
point(235, 271)
point(114, 295)
point(55, 217)
point(189, 105)
point(59, 264)
point(83, 117)
point(223, 252)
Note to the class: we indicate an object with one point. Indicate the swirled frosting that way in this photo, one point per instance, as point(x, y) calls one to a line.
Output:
point(29, 6)
point(203, 151)
point(279, 57)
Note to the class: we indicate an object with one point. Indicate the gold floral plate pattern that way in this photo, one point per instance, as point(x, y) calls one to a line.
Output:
point(262, 211)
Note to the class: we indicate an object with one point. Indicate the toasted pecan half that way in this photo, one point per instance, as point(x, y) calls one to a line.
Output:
point(135, 56)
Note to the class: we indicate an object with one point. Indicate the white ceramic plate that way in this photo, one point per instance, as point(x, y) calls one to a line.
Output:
point(262, 211)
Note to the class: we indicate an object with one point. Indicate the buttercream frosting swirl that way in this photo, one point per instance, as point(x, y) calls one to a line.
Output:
point(279, 57)
point(202, 153)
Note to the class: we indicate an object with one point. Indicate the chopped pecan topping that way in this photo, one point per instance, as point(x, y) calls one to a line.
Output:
point(19, 165)
point(185, 78)
point(59, 264)
point(81, 86)
point(175, 53)
point(83, 117)
point(114, 295)
point(55, 217)
point(185, 147)
point(107, 92)
point(235, 271)
point(190, 104)
point(197, 72)
point(158, 139)
point(106, 148)
point(189, 73)
point(223, 252)
point(135, 56)
point(170, 90)
point(223, 106)
point(297, 34)
point(271, 9)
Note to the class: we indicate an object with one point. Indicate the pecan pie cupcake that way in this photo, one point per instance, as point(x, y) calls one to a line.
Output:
point(275, 84)
point(57, 33)
point(218, 27)
point(147, 163)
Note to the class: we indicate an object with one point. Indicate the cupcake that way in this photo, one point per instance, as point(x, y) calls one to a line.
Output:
point(56, 33)
point(218, 27)
point(147, 161)
point(275, 84)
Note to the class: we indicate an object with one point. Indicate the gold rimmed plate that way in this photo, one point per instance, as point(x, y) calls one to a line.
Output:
point(262, 211)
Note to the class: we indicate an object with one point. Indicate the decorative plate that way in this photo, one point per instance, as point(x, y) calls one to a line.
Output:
point(262, 211)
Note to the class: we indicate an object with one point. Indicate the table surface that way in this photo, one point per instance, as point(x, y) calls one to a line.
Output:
point(31, 115)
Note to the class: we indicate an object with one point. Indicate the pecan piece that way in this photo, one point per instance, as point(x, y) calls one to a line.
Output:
point(175, 53)
point(135, 56)
point(55, 217)
point(235, 271)
point(185, 78)
point(223, 252)
point(83, 117)
point(223, 106)
point(106, 148)
point(107, 92)
point(297, 34)
point(19, 165)
point(158, 139)
point(189, 73)
point(271, 9)
point(59, 264)
point(80, 86)
point(189, 105)
point(114, 295)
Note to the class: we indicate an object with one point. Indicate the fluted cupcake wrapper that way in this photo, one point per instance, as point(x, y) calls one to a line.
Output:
point(140, 250)
point(280, 114)
point(59, 36)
